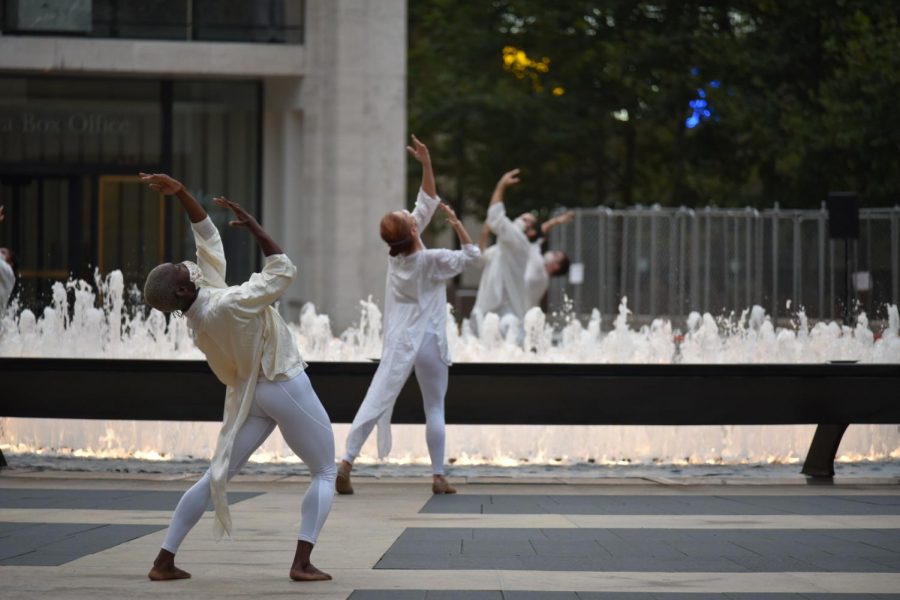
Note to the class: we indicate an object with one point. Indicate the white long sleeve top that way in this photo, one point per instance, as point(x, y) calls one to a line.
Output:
point(243, 337)
point(502, 289)
point(415, 304)
point(7, 283)
point(537, 280)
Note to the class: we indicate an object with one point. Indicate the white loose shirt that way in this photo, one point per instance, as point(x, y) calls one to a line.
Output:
point(243, 337)
point(537, 280)
point(502, 287)
point(7, 283)
point(415, 303)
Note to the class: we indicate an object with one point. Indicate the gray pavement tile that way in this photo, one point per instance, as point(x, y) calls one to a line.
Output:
point(489, 548)
point(521, 595)
point(569, 548)
point(888, 504)
point(100, 499)
point(51, 544)
point(428, 534)
point(429, 548)
point(501, 534)
point(387, 595)
point(463, 595)
point(671, 550)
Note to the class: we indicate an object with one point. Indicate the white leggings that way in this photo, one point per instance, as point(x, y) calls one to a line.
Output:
point(305, 426)
point(432, 374)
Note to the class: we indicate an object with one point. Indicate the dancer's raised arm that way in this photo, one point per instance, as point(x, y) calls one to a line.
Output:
point(210, 251)
point(245, 219)
point(506, 231)
point(165, 184)
point(427, 200)
point(419, 151)
point(509, 179)
point(556, 221)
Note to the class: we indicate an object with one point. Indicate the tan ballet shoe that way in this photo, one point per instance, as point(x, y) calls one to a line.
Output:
point(442, 487)
point(342, 483)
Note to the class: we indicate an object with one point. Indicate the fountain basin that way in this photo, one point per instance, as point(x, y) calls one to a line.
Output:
point(830, 395)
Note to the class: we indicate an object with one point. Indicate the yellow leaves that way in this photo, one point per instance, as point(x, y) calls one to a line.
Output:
point(517, 62)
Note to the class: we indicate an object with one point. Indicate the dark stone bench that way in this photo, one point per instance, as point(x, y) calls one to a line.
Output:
point(831, 396)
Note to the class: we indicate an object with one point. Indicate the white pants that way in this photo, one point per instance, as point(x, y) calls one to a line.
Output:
point(432, 374)
point(305, 426)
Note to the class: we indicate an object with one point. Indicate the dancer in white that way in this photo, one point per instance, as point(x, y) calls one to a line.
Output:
point(516, 274)
point(502, 287)
point(7, 272)
point(415, 327)
point(544, 265)
point(251, 350)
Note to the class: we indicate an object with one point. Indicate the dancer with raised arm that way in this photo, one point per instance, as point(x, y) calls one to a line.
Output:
point(8, 268)
point(542, 265)
point(415, 327)
point(515, 271)
point(251, 350)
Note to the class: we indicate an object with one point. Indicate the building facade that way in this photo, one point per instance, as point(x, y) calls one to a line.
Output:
point(296, 108)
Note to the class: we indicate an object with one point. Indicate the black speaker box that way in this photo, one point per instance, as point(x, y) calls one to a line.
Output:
point(843, 215)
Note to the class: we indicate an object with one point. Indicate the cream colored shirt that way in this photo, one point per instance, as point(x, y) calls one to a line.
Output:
point(243, 337)
point(7, 283)
point(502, 287)
point(537, 280)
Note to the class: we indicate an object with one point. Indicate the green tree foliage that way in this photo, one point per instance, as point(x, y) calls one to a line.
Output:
point(592, 100)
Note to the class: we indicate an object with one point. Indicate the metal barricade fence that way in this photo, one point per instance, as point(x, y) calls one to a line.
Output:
point(670, 261)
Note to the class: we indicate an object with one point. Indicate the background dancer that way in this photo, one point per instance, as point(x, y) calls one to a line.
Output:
point(251, 351)
point(8, 268)
point(415, 327)
point(542, 265)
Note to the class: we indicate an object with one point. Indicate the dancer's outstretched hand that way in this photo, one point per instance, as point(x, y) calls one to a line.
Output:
point(242, 217)
point(451, 214)
point(418, 150)
point(509, 178)
point(162, 183)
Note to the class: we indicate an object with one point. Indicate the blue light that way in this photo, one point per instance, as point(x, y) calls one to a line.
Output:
point(695, 71)
point(701, 110)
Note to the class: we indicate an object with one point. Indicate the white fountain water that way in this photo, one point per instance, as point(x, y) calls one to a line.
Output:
point(108, 321)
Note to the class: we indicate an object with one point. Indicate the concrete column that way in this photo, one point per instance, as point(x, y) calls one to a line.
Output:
point(334, 158)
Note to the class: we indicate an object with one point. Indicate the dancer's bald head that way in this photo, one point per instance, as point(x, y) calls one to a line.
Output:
point(167, 286)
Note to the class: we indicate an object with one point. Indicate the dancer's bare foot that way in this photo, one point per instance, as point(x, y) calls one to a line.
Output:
point(342, 482)
point(440, 485)
point(308, 573)
point(303, 569)
point(164, 568)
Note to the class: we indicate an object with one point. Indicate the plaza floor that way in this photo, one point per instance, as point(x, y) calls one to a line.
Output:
point(71, 535)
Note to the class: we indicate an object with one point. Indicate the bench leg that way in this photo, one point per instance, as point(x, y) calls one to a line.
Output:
point(822, 450)
point(2, 460)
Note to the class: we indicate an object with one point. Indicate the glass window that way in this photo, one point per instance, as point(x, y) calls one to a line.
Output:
point(216, 150)
point(261, 21)
point(79, 121)
point(70, 150)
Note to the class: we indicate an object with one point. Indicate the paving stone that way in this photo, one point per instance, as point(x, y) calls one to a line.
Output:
point(463, 595)
point(387, 595)
point(101, 499)
point(521, 595)
point(642, 550)
point(664, 505)
point(489, 547)
point(51, 544)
